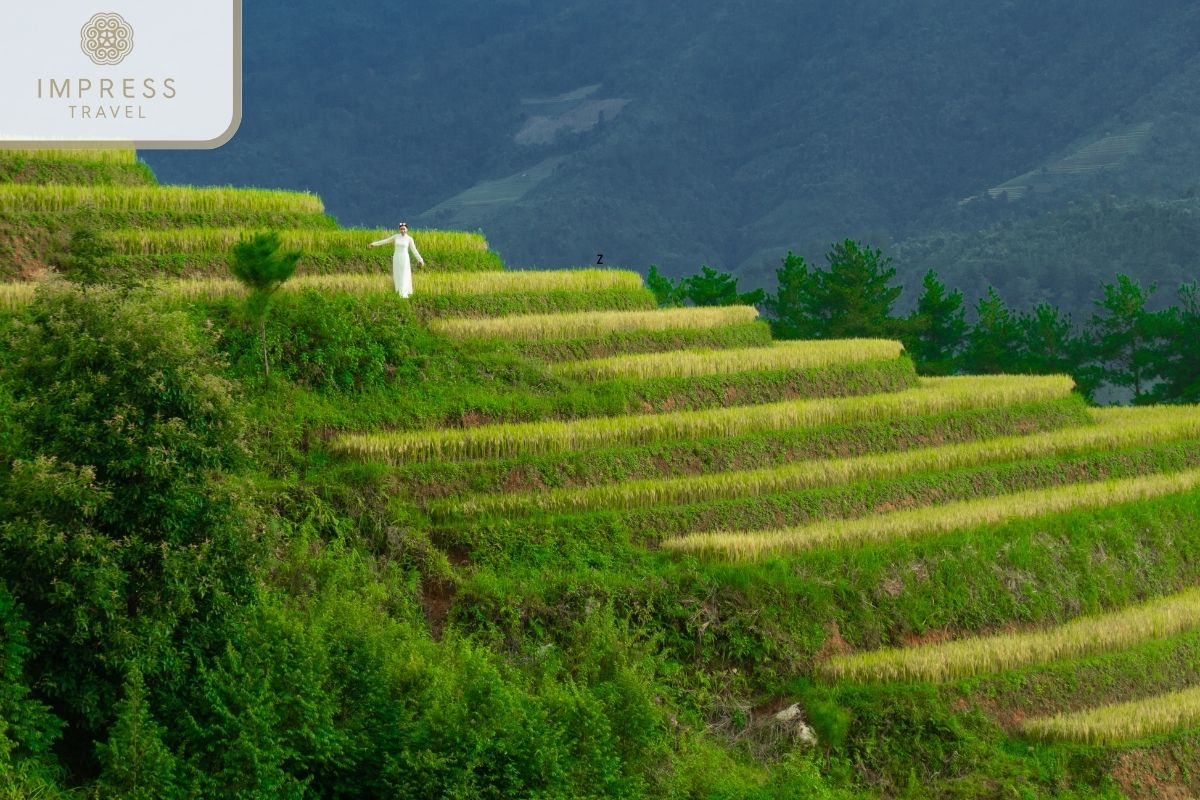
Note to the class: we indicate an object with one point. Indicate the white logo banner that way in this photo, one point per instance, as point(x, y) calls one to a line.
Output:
point(120, 73)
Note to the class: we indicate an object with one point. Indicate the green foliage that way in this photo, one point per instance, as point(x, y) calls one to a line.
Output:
point(852, 298)
point(938, 328)
point(1122, 338)
point(27, 728)
point(667, 293)
point(135, 763)
point(259, 263)
point(115, 539)
point(329, 341)
point(1177, 360)
point(790, 305)
point(712, 288)
point(1049, 345)
point(994, 343)
point(84, 258)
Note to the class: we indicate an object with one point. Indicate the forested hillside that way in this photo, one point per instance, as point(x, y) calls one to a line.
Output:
point(704, 133)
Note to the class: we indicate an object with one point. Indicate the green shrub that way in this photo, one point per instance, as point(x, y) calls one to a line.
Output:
point(116, 539)
point(331, 340)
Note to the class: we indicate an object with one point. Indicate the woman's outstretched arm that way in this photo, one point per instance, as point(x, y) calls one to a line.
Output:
point(412, 245)
point(384, 241)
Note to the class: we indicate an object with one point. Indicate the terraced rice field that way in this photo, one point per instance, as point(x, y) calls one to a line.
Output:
point(123, 157)
point(963, 515)
point(426, 284)
point(1113, 429)
point(910, 528)
point(533, 327)
point(690, 363)
point(496, 441)
point(137, 241)
point(23, 198)
point(1122, 722)
point(1157, 619)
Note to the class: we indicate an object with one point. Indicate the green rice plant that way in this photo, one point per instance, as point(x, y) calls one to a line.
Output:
point(960, 515)
point(535, 327)
point(1121, 722)
point(756, 333)
point(979, 655)
point(375, 260)
point(123, 157)
point(499, 441)
point(1123, 427)
point(58, 198)
point(691, 363)
point(428, 283)
point(140, 241)
point(447, 482)
point(15, 295)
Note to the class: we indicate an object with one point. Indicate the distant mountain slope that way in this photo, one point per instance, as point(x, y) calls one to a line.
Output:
point(1066, 255)
point(704, 133)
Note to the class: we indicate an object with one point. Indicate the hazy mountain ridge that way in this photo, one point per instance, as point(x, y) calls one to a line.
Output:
point(741, 133)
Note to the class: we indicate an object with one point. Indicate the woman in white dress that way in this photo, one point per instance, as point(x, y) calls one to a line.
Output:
point(401, 267)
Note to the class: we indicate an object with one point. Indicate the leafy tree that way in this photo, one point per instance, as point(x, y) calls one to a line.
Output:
point(789, 306)
point(937, 328)
point(258, 262)
point(1122, 338)
point(667, 292)
point(712, 288)
point(995, 341)
point(115, 540)
point(27, 729)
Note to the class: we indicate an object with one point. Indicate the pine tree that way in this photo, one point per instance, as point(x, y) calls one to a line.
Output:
point(995, 341)
point(667, 292)
point(789, 306)
point(135, 764)
point(1049, 346)
point(712, 288)
point(938, 328)
point(853, 297)
point(1122, 339)
point(258, 262)
point(1178, 360)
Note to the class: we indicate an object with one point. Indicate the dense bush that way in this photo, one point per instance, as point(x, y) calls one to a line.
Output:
point(330, 340)
point(116, 539)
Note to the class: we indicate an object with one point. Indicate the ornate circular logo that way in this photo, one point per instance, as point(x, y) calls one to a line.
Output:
point(106, 39)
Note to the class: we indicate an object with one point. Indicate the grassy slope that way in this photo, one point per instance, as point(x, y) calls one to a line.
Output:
point(729, 643)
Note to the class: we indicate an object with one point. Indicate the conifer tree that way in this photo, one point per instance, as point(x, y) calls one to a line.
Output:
point(852, 298)
point(855, 296)
point(135, 763)
point(1122, 338)
point(712, 288)
point(995, 341)
point(259, 263)
point(667, 292)
point(1178, 360)
point(938, 328)
point(1049, 346)
point(789, 306)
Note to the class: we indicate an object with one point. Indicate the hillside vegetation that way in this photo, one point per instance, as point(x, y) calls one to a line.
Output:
point(528, 535)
